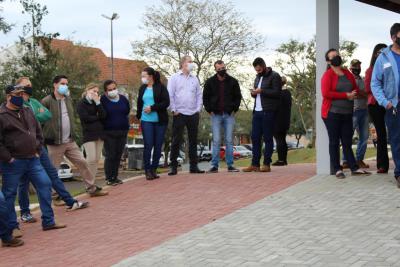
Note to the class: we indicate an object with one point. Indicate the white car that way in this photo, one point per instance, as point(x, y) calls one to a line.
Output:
point(65, 172)
point(243, 151)
point(162, 160)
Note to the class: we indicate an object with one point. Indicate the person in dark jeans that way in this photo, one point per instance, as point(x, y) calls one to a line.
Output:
point(377, 115)
point(339, 89)
point(116, 126)
point(6, 236)
point(23, 193)
point(385, 85)
point(221, 98)
point(152, 104)
point(21, 143)
point(267, 93)
point(282, 126)
point(185, 103)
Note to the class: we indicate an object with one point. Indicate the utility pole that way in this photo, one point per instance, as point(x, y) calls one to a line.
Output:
point(112, 18)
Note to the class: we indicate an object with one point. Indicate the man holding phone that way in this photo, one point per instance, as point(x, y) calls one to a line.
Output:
point(267, 93)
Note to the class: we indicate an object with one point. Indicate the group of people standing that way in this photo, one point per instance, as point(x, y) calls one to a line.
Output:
point(348, 99)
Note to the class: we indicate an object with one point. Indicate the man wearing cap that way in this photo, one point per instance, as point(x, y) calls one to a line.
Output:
point(42, 115)
point(21, 142)
point(360, 116)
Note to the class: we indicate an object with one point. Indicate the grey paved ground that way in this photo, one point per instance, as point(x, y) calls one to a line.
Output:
point(320, 222)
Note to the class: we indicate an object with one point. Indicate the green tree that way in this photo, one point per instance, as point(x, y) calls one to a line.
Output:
point(298, 63)
point(4, 26)
point(205, 29)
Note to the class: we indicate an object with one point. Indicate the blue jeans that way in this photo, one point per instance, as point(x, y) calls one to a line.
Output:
point(262, 127)
point(393, 124)
point(57, 184)
point(153, 137)
point(227, 122)
point(13, 173)
point(5, 232)
point(361, 125)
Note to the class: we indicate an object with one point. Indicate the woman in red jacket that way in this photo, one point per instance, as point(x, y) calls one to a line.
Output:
point(377, 114)
point(339, 89)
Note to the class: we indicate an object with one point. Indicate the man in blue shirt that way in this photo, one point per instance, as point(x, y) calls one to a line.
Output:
point(385, 85)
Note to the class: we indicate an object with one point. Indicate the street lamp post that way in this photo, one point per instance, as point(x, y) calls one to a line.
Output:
point(112, 18)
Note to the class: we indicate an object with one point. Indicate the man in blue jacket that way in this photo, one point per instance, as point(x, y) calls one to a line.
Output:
point(385, 85)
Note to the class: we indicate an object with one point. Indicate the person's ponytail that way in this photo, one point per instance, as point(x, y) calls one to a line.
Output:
point(157, 77)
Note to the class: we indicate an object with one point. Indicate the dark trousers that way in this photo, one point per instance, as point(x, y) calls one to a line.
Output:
point(281, 146)
point(340, 130)
point(377, 114)
point(114, 144)
point(191, 122)
point(153, 137)
point(262, 128)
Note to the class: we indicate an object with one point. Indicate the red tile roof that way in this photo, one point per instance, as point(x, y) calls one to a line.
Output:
point(126, 71)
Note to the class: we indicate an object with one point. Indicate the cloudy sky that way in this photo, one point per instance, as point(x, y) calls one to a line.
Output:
point(277, 20)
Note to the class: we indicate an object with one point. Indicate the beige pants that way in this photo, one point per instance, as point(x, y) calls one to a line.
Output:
point(72, 152)
point(93, 152)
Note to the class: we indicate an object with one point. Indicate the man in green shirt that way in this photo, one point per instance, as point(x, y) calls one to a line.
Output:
point(42, 114)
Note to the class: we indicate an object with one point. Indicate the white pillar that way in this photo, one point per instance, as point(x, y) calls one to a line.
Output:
point(327, 37)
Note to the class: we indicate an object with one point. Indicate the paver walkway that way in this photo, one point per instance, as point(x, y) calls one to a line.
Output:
point(322, 221)
point(140, 215)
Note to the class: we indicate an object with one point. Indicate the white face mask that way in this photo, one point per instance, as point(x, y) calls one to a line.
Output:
point(144, 80)
point(191, 66)
point(113, 93)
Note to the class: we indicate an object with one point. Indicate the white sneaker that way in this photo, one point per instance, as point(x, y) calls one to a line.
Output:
point(78, 205)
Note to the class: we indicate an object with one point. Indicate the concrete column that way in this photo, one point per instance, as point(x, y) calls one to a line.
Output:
point(327, 37)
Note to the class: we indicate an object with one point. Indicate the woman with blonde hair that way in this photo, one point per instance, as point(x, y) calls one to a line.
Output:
point(91, 114)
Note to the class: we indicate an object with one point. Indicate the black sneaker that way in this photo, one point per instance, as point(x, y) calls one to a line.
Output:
point(232, 169)
point(196, 170)
point(111, 182)
point(279, 163)
point(154, 173)
point(118, 181)
point(173, 171)
point(213, 170)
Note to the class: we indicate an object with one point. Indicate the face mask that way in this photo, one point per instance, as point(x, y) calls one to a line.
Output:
point(397, 41)
point(191, 66)
point(336, 61)
point(63, 90)
point(113, 93)
point(145, 81)
point(17, 100)
point(28, 90)
point(356, 71)
point(221, 73)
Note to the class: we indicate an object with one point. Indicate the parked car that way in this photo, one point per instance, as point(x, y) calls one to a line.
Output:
point(293, 145)
point(65, 172)
point(243, 151)
point(236, 155)
point(162, 160)
point(204, 153)
point(248, 146)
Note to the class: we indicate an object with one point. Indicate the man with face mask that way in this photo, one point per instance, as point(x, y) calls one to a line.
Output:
point(21, 142)
point(267, 93)
point(116, 126)
point(185, 103)
point(221, 98)
point(59, 134)
point(385, 85)
point(360, 116)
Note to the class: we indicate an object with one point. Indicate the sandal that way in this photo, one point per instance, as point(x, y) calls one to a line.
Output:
point(360, 172)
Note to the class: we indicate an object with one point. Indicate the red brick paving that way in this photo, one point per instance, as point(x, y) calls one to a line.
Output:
point(141, 214)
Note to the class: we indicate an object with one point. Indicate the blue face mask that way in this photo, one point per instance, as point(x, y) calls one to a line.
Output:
point(63, 89)
point(17, 101)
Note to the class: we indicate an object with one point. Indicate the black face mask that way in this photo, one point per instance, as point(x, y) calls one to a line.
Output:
point(221, 73)
point(397, 41)
point(356, 71)
point(336, 61)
